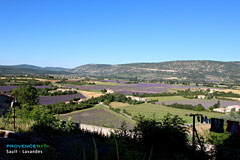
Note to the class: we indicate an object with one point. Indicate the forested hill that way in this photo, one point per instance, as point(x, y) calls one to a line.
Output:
point(25, 69)
point(195, 70)
point(191, 70)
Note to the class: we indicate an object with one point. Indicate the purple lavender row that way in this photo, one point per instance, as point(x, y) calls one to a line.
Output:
point(44, 100)
point(9, 88)
point(133, 88)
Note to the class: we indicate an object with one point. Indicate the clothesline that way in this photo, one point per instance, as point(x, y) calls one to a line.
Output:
point(217, 124)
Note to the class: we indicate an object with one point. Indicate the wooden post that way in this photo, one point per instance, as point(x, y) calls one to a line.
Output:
point(193, 135)
point(14, 125)
point(195, 132)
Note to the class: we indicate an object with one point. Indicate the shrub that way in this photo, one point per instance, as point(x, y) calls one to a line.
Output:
point(198, 107)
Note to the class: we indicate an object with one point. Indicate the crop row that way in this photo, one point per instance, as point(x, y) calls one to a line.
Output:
point(133, 88)
point(45, 100)
point(9, 88)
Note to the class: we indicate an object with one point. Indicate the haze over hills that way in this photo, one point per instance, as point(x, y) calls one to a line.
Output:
point(192, 70)
point(25, 69)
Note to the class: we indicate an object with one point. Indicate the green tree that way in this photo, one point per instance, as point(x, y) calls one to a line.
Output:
point(26, 95)
point(198, 107)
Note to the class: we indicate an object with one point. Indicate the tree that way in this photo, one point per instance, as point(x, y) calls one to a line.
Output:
point(26, 95)
point(103, 91)
point(198, 107)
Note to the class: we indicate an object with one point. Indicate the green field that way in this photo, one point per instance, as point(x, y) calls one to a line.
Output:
point(159, 111)
point(168, 98)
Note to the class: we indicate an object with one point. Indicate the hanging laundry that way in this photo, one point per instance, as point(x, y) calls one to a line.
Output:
point(239, 132)
point(206, 119)
point(198, 119)
point(234, 129)
point(209, 121)
point(217, 125)
point(202, 118)
point(229, 125)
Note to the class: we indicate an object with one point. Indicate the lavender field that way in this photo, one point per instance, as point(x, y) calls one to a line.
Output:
point(206, 103)
point(7, 88)
point(99, 117)
point(45, 100)
point(139, 88)
point(10, 88)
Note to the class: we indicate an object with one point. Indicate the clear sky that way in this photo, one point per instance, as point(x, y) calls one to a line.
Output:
point(69, 33)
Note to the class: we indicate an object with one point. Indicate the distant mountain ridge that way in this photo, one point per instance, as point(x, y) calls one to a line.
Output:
point(25, 69)
point(26, 66)
point(191, 70)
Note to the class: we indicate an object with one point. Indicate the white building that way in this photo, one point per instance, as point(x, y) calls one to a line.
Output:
point(109, 91)
point(136, 98)
point(227, 109)
point(201, 96)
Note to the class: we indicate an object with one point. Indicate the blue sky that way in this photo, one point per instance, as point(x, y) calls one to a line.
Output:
point(70, 33)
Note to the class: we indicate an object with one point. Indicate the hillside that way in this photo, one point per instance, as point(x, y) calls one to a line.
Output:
point(193, 70)
point(25, 69)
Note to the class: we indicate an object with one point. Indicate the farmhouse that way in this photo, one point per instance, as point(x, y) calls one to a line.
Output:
point(136, 98)
point(201, 96)
point(109, 91)
point(236, 107)
point(80, 100)
point(221, 110)
point(227, 109)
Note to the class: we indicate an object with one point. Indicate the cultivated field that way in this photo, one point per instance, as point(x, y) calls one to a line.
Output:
point(99, 116)
point(44, 100)
point(139, 88)
point(90, 94)
point(107, 83)
point(205, 103)
point(9, 88)
point(230, 90)
point(118, 104)
point(168, 98)
point(159, 111)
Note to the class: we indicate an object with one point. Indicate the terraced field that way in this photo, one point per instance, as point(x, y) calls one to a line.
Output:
point(98, 116)
point(149, 109)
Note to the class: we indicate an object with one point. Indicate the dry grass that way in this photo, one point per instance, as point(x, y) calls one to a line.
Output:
point(118, 104)
point(232, 98)
point(228, 90)
point(61, 89)
point(172, 78)
point(89, 94)
point(201, 129)
point(47, 80)
point(232, 90)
